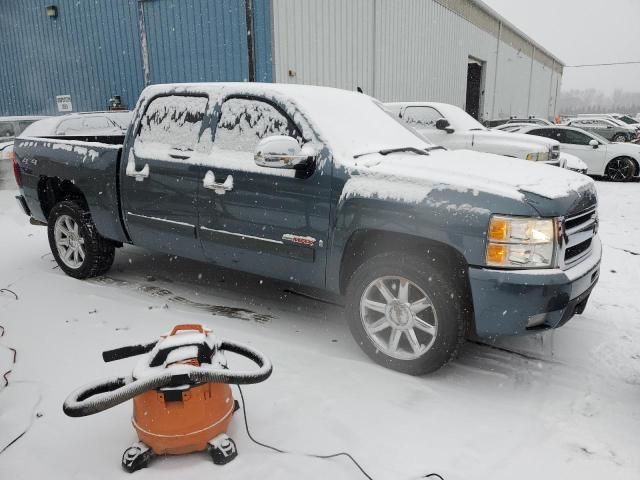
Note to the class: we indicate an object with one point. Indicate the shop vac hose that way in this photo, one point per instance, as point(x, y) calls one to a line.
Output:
point(102, 395)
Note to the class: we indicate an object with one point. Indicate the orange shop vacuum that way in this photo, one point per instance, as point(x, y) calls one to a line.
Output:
point(182, 400)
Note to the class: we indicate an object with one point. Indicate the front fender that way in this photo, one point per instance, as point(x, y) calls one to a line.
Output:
point(457, 218)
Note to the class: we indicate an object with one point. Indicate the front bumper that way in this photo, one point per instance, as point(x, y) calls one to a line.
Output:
point(506, 302)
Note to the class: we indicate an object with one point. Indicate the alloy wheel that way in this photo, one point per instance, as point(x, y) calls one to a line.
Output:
point(620, 169)
point(69, 242)
point(399, 317)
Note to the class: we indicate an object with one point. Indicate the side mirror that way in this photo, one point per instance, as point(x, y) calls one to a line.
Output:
point(443, 124)
point(280, 151)
point(594, 143)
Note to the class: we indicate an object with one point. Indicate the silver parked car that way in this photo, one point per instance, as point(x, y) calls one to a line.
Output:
point(605, 128)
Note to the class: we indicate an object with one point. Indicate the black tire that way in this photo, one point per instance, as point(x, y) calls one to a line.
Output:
point(448, 304)
point(620, 169)
point(99, 252)
point(620, 137)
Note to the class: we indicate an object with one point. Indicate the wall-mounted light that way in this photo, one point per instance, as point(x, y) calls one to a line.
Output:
point(52, 11)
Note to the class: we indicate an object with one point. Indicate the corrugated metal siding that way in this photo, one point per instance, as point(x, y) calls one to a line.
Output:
point(262, 24)
point(413, 50)
point(91, 51)
point(327, 42)
point(196, 40)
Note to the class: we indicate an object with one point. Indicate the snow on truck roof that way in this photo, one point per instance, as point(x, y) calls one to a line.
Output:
point(352, 123)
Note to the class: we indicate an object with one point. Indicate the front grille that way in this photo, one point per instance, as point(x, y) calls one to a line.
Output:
point(577, 236)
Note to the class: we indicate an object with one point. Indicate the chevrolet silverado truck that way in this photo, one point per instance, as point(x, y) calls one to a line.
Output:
point(453, 128)
point(322, 188)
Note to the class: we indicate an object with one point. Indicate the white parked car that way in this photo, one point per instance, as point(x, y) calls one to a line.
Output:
point(6, 150)
point(453, 128)
point(574, 163)
point(79, 124)
point(618, 161)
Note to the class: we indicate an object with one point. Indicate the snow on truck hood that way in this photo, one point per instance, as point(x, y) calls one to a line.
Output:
point(410, 177)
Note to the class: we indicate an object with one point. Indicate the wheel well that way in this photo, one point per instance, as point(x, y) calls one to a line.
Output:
point(54, 190)
point(635, 163)
point(364, 244)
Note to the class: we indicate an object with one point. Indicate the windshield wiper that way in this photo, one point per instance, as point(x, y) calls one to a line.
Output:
point(435, 147)
point(415, 150)
point(387, 151)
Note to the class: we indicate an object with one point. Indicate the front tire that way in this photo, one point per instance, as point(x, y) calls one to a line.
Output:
point(75, 243)
point(620, 169)
point(405, 315)
point(619, 138)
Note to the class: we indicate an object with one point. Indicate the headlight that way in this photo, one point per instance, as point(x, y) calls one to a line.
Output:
point(538, 156)
point(516, 242)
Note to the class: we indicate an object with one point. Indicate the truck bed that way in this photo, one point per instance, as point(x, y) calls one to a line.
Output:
point(89, 163)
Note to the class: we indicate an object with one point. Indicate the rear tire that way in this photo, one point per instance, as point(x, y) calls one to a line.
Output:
point(620, 169)
point(404, 314)
point(619, 138)
point(76, 244)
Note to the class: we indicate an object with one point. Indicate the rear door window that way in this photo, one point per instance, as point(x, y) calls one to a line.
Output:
point(547, 133)
point(171, 122)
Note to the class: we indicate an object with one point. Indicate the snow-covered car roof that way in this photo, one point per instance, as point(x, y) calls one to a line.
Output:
point(118, 123)
point(22, 118)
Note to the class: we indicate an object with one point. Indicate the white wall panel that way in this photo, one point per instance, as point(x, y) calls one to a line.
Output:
point(404, 50)
point(327, 42)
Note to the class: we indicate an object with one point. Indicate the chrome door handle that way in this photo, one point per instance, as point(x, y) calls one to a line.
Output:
point(138, 175)
point(209, 182)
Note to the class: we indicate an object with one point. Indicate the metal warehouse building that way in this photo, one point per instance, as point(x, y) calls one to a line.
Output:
point(455, 51)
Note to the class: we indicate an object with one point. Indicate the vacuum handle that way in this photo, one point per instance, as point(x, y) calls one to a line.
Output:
point(126, 352)
point(195, 327)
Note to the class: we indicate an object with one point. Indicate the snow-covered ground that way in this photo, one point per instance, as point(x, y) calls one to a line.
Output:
point(573, 412)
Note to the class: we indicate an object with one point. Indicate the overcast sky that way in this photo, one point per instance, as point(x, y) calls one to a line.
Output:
point(583, 31)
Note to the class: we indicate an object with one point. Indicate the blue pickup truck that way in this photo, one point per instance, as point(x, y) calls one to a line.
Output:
point(321, 187)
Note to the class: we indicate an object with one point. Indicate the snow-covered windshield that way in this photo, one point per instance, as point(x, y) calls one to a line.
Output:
point(459, 119)
point(354, 123)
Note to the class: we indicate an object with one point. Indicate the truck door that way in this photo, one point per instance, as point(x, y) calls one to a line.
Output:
point(160, 183)
point(267, 221)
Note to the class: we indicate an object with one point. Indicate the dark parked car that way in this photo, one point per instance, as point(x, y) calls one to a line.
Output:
point(287, 181)
point(11, 127)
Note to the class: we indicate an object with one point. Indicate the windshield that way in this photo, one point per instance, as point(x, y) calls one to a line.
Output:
point(628, 120)
point(459, 119)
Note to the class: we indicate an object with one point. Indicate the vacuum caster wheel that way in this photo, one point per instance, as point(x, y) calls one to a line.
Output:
point(222, 449)
point(135, 457)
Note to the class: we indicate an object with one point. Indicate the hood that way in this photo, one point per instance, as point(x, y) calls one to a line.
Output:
point(517, 137)
point(551, 191)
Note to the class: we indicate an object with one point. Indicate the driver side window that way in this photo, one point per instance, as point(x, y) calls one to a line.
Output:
point(244, 122)
point(421, 117)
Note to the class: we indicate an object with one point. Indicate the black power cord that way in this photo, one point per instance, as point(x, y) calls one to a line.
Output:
point(313, 455)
